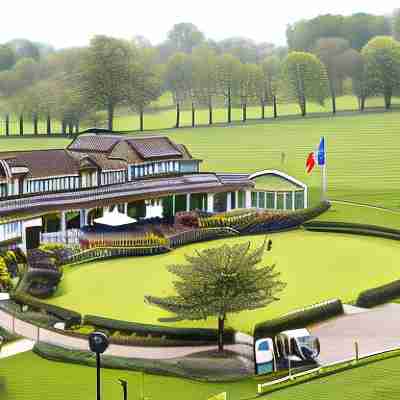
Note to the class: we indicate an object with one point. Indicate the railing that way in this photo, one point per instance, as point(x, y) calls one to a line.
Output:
point(198, 235)
point(97, 253)
point(71, 236)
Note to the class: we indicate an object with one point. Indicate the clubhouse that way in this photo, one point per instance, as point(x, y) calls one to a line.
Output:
point(144, 176)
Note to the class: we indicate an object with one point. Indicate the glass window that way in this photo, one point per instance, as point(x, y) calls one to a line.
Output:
point(254, 199)
point(150, 169)
point(156, 168)
point(163, 167)
point(261, 199)
point(289, 200)
point(279, 201)
point(299, 200)
point(176, 166)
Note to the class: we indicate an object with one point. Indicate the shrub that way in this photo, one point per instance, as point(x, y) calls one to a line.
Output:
point(5, 278)
point(190, 218)
point(271, 221)
point(60, 252)
point(379, 295)
point(299, 319)
point(69, 317)
point(184, 334)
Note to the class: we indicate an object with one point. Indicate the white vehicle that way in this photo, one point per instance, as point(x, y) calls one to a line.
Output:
point(297, 346)
point(265, 356)
point(290, 348)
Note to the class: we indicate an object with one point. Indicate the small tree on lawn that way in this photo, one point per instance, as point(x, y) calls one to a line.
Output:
point(218, 281)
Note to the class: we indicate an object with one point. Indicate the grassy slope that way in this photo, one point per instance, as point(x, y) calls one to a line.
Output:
point(343, 265)
point(47, 381)
point(57, 381)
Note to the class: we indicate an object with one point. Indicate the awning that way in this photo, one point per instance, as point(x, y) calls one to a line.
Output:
point(115, 218)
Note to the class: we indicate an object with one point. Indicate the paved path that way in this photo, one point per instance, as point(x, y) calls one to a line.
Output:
point(375, 330)
point(19, 346)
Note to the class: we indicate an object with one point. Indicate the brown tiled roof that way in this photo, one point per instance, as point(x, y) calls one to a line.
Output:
point(43, 163)
point(100, 159)
point(155, 147)
point(95, 143)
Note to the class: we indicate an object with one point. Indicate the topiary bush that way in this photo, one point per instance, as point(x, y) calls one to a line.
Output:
point(379, 295)
point(299, 319)
point(181, 334)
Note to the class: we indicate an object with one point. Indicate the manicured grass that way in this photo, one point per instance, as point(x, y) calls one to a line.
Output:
point(315, 266)
point(362, 152)
point(49, 380)
point(29, 377)
point(361, 214)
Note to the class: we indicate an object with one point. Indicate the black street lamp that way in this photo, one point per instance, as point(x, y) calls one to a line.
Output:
point(98, 343)
point(124, 385)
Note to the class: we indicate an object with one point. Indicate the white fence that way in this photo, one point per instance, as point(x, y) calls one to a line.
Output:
point(71, 236)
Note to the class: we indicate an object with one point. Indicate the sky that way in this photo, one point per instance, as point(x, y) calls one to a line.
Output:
point(66, 23)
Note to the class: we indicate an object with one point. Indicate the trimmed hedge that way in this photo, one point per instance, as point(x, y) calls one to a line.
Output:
point(358, 229)
point(172, 367)
point(379, 295)
point(69, 317)
point(273, 221)
point(183, 334)
point(299, 319)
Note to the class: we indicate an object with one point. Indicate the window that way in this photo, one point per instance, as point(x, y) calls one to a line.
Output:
point(289, 200)
point(299, 200)
point(254, 199)
point(280, 204)
point(156, 168)
point(261, 199)
point(176, 166)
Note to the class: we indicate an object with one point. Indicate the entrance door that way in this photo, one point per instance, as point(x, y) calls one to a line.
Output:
point(33, 237)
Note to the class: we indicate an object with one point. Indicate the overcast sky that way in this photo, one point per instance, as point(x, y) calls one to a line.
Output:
point(65, 23)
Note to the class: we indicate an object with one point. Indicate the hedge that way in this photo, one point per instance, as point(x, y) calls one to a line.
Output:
point(184, 334)
point(379, 295)
point(299, 319)
point(172, 367)
point(273, 221)
point(69, 317)
point(358, 229)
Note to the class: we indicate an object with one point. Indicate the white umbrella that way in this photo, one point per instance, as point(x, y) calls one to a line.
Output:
point(115, 218)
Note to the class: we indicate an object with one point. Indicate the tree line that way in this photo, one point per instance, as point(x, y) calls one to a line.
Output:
point(324, 59)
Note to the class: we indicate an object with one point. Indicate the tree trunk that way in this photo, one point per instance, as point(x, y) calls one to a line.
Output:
point(7, 125)
point(221, 325)
point(70, 128)
point(362, 103)
point(63, 127)
point(388, 99)
point(262, 109)
point(193, 115)
point(110, 111)
point(210, 113)
point(35, 124)
point(333, 95)
point(48, 125)
point(275, 109)
point(141, 117)
point(77, 126)
point(303, 106)
point(244, 110)
point(229, 106)
point(178, 115)
point(21, 125)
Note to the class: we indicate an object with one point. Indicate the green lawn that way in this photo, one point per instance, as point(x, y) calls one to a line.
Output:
point(316, 267)
point(360, 214)
point(57, 381)
point(29, 377)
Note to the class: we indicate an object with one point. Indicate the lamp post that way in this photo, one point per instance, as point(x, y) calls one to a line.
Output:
point(124, 385)
point(98, 343)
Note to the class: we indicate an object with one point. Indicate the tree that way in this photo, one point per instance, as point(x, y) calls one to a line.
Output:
point(249, 85)
point(178, 78)
point(144, 86)
point(7, 57)
point(185, 37)
point(219, 281)
point(382, 58)
point(271, 70)
point(105, 72)
point(228, 76)
point(396, 24)
point(25, 49)
point(304, 79)
point(205, 77)
point(329, 51)
point(5, 279)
